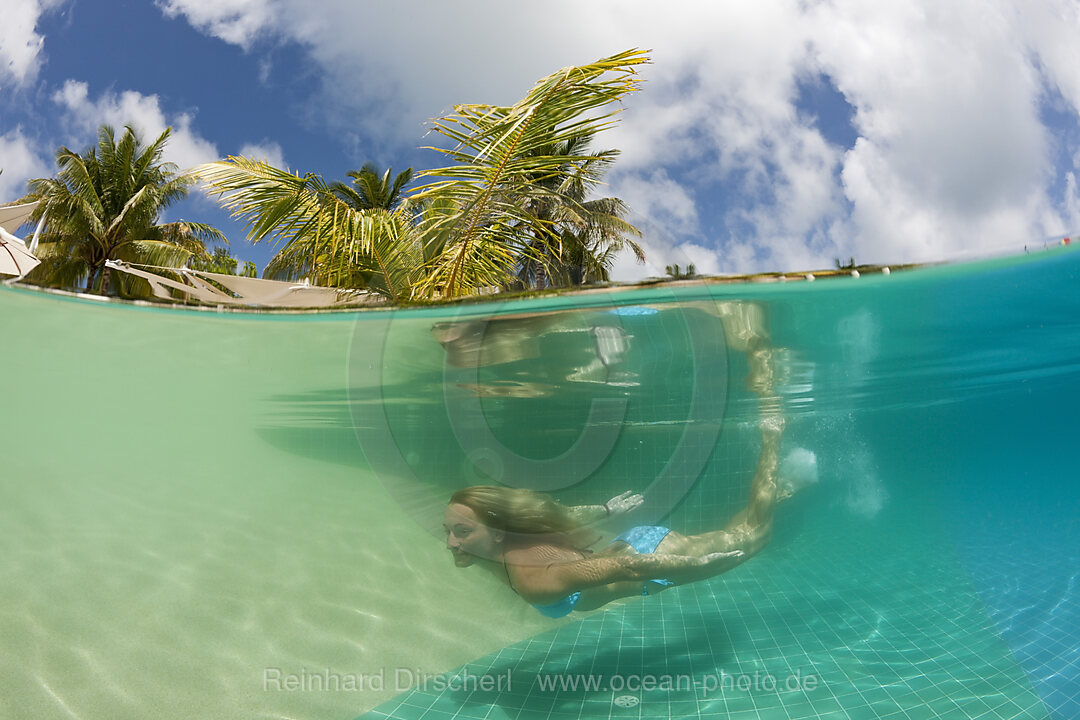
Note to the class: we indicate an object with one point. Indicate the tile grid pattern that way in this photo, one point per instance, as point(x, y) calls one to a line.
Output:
point(1042, 629)
point(882, 635)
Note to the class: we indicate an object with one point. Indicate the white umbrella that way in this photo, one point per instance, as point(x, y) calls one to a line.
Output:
point(15, 259)
point(12, 216)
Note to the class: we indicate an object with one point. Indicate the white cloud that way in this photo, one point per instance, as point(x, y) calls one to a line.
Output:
point(1072, 206)
point(20, 44)
point(703, 259)
point(1049, 29)
point(267, 151)
point(626, 268)
point(662, 250)
point(235, 21)
point(20, 161)
point(185, 147)
point(952, 154)
point(654, 196)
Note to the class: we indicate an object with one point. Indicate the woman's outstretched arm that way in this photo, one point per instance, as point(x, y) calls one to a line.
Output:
point(585, 515)
point(544, 584)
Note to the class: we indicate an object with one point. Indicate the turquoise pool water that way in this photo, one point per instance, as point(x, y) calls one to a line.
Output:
point(235, 515)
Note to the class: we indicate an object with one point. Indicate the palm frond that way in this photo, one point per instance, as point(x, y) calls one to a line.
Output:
point(61, 265)
point(272, 203)
point(321, 236)
point(184, 232)
point(156, 253)
point(500, 161)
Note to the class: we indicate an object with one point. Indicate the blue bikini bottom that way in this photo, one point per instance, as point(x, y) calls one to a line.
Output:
point(645, 539)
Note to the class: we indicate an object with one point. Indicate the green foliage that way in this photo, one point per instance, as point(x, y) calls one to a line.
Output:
point(321, 237)
point(511, 195)
point(105, 204)
point(677, 274)
point(370, 190)
point(506, 161)
point(587, 233)
point(220, 262)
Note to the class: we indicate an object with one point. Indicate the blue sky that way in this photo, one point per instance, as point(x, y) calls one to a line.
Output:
point(770, 135)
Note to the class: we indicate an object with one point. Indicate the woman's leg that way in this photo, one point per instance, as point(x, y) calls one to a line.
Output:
point(750, 530)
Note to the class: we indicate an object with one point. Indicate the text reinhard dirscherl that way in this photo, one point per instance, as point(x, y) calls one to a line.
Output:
point(405, 679)
point(400, 680)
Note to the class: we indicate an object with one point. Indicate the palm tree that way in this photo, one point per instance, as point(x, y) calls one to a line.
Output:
point(371, 190)
point(321, 237)
point(677, 274)
point(471, 226)
point(586, 235)
point(106, 204)
point(314, 255)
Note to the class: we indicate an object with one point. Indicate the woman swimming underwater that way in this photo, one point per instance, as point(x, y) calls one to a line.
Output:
point(541, 545)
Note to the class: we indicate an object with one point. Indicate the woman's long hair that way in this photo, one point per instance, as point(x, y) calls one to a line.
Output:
point(517, 511)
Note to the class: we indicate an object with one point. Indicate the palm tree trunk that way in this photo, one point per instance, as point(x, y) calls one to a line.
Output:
point(92, 279)
point(98, 282)
point(542, 267)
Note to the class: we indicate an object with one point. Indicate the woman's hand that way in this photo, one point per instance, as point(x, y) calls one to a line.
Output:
point(623, 503)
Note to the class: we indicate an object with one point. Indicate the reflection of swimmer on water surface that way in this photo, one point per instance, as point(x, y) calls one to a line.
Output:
point(505, 340)
point(598, 355)
point(611, 343)
point(495, 340)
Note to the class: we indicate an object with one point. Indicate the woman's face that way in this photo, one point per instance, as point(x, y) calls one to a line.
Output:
point(468, 538)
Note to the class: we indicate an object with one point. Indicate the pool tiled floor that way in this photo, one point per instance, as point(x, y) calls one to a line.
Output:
point(1023, 557)
point(838, 626)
